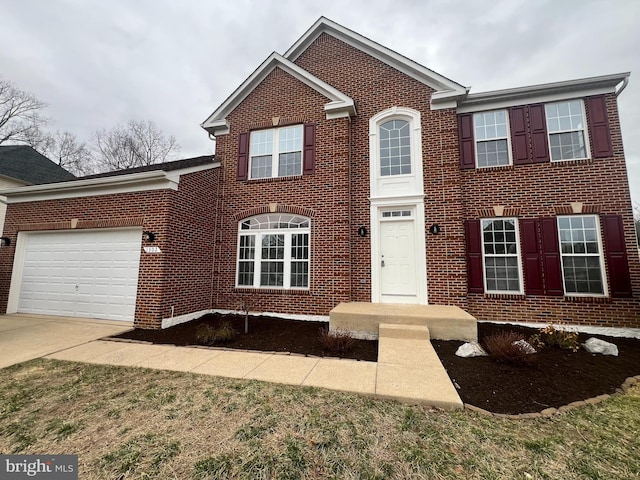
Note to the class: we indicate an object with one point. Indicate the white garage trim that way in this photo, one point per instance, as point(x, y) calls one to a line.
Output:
point(87, 273)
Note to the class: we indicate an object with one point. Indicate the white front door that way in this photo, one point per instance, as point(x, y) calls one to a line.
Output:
point(397, 262)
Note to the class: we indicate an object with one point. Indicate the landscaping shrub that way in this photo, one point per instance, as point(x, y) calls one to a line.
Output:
point(337, 341)
point(506, 347)
point(210, 335)
point(556, 336)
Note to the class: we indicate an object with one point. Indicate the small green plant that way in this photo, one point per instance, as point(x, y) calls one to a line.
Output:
point(210, 335)
point(508, 347)
point(556, 336)
point(337, 341)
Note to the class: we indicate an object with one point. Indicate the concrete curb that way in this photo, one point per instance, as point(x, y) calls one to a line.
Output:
point(548, 412)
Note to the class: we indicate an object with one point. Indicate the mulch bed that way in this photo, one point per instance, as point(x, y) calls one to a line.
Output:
point(555, 377)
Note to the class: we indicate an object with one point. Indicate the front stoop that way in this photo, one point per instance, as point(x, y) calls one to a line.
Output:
point(444, 322)
point(409, 369)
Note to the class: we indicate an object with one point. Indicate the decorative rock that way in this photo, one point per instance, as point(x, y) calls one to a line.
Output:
point(525, 346)
point(547, 412)
point(471, 349)
point(595, 345)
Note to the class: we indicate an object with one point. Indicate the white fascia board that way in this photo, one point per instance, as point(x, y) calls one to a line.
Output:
point(217, 123)
point(547, 92)
point(374, 49)
point(134, 182)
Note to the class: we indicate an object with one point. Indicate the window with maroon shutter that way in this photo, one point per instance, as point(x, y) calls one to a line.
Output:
point(243, 156)
point(531, 256)
point(551, 257)
point(465, 132)
point(475, 277)
point(538, 126)
point(519, 135)
point(599, 127)
point(616, 255)
point(309, 150)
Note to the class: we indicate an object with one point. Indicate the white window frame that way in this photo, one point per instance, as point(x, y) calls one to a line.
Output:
point(411, 162)
point(259, 234)
point(507, 138)
point(275, 153)
point(600, 255)
point(584, 130)
point(517, 255)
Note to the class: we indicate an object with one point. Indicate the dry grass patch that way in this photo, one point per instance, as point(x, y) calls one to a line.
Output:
point(136, 423)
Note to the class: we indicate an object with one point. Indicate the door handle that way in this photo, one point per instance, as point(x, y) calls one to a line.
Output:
point(382, 262)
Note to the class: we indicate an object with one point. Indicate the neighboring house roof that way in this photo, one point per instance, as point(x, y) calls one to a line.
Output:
point(341, 105)
point(151, 177)
point(24, 163)
point(165, 167)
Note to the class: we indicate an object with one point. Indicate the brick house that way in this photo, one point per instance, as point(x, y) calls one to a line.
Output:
point(347, 172)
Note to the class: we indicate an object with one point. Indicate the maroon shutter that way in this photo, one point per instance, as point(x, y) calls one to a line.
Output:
point(465, 132)
point(616, 255)
point(519, 137)
point(243, 156)
point(531, 256)
point(599, 127)
point(551, 257)
point(475, 278)
point(309, 149)
point(539, 141)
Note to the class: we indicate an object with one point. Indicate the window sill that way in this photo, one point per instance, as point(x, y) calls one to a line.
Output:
point(586, 299)
point(271, 291)
point(506, 296)
point(495, 168)
point(578, 161)
point(273, 179)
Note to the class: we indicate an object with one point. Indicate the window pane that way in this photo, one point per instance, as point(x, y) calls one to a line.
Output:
point(580, 250)
point(273, 247)
point(290, 164)
point(395, 148)
point(299, 274)
point(261, 167)
point(290, 139)
point(245, 273)
point(567, 146)
point(501, 255)
point(271, 274)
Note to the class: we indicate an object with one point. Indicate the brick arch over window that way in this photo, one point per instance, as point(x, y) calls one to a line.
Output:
point(295, 210)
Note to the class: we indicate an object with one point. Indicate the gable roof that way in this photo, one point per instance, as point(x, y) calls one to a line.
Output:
point(446, 89)
point(24, 163)
point(341, 105)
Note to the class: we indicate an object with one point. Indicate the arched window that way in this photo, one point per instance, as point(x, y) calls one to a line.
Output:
point(395, 148)
point(274, 251)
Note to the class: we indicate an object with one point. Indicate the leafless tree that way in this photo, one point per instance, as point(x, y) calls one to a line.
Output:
point(67, 151)
point(20, 114)
point(139, 143)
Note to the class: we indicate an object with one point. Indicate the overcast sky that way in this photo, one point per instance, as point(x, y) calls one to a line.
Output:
point(101, 63)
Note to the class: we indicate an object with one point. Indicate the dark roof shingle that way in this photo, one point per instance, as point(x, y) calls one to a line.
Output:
point(165, 167)
point(24, 163)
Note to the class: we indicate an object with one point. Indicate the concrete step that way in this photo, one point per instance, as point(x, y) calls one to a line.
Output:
point(444, 322)
point(409, 369)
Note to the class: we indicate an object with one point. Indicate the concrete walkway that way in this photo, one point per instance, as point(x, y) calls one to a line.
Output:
point(408, 368)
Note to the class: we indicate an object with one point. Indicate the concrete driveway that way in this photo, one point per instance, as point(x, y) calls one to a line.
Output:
point(24, 336)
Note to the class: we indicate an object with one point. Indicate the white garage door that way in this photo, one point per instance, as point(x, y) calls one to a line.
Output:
point(91, 273)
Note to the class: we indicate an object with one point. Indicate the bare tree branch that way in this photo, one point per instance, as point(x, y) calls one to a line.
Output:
point(20, 114)
point(139, 143)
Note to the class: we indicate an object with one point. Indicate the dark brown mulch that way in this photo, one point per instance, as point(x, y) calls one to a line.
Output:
point(267, 334)
point(555, 377)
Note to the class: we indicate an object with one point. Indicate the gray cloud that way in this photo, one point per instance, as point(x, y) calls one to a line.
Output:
point(98, 64)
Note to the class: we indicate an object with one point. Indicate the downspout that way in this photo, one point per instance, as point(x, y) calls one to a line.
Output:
point(216, 232)
point(349, 211)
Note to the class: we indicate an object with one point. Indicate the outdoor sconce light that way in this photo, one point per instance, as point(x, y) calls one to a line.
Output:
point(148, 236)
point(362, 231)
point(5, 241)
point(434, 229)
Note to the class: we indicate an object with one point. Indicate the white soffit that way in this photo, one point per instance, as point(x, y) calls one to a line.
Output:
point(133, 182)
point(546, 92)
point(340, 105)
point(447, 91)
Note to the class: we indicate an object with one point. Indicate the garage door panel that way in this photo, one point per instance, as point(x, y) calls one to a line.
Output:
point(81, 273)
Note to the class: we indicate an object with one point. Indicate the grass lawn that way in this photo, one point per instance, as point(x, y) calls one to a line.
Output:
point(138, 423)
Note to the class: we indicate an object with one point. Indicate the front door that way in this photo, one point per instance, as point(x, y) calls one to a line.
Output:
point(397, 262)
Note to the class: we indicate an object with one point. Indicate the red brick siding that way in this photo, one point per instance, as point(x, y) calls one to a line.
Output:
point(546, 189)
point(159, 211)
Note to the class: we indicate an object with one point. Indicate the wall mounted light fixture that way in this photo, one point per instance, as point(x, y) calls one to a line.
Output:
point(5, 241)
point(362, 231)
point(148, 236)
point(435, 229)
